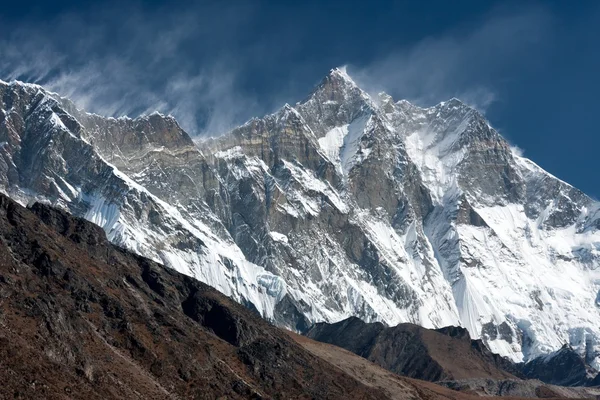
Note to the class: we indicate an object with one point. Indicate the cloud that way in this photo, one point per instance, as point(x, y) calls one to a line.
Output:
point(469, 64)
point(517, 151)
point(214, 73)
point(138, 63)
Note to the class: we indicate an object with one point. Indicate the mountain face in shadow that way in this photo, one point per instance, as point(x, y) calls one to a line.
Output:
point(450, 355)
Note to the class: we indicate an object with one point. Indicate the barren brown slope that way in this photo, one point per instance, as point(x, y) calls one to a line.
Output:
point(416, 352)
point(394, 386)
point(402, 388)
point(82, 319)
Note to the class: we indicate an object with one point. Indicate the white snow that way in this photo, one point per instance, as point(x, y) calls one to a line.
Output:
point(545, 271)
point(102, 212)
point(233, 152)
point(279, 237)
point(431, 154)
point(342, 144)
point(311, 183)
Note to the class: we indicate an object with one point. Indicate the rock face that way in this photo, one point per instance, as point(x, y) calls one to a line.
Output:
point(83, 319)
point(416, 352)
point(341, 205)
point(143, 181)
point(563, 367)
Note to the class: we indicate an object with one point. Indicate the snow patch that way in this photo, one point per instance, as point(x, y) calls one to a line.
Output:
point(342, 143)
point(279, 237)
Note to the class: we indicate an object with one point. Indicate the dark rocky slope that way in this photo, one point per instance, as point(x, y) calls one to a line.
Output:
point(396, 386)
point(449, 354)
point(81, 318)
point(416, 352)
point(563, 367)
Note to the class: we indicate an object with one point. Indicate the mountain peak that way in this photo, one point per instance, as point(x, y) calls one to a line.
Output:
point(339, 80)
point(336, 101)
point(287, 111)
point(341, 73)
point(454, 102)
point(15, 82)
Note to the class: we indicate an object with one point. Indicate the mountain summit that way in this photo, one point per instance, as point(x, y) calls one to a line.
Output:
point(341, 205)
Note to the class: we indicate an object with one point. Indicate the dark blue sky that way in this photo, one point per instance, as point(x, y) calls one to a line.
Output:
point(532, 67)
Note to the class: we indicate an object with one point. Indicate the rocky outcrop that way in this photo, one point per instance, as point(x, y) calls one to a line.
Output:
point(449, 355)
point(416, 352)
point(564, 368)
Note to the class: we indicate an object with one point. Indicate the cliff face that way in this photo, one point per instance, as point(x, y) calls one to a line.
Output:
point(341, 205)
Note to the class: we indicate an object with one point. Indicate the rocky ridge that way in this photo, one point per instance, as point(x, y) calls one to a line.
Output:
point(447, 354)
point(451, 358)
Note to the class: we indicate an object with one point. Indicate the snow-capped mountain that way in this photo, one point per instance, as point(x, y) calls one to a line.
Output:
point(341, 205)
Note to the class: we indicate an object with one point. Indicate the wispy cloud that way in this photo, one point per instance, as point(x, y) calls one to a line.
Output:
point(200, 68)
point(517, 151)
point(149, 65)
point(468, 63)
